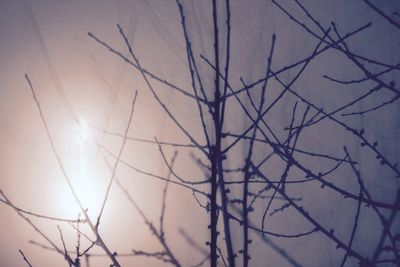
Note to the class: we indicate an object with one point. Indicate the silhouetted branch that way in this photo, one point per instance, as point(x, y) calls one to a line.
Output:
point(40, 215)
point(25, 259)
point(114, 169)
point(380, 12)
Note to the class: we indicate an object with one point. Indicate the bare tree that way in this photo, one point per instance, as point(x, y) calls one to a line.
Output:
point(268, 179)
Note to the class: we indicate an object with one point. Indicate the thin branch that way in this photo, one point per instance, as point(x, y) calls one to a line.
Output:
point(25, 259)
point(114, 169)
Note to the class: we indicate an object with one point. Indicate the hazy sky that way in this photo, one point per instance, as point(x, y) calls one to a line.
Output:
point(76, 78)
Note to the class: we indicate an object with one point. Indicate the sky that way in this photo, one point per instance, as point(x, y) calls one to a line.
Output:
point(86, 93)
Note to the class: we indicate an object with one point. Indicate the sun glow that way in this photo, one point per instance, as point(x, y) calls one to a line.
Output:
point(83, 131)
point(83, 176)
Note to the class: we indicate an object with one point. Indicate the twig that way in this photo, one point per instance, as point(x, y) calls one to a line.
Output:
point(25, 259)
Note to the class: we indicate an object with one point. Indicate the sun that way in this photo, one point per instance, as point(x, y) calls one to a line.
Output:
point(83, 174)
point(83, 132)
